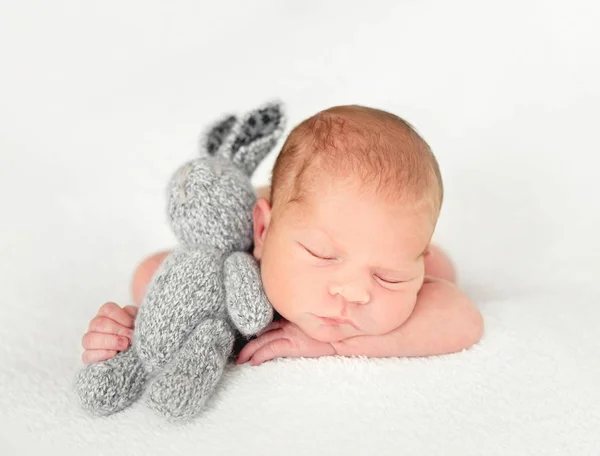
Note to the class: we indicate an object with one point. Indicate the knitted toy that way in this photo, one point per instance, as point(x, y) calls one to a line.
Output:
point(206, 289)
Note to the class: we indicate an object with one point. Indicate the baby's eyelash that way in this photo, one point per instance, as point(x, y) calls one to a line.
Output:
point(315, 255)
point(392, 282)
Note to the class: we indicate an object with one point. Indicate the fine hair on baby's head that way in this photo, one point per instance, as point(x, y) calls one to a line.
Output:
point(378, 150)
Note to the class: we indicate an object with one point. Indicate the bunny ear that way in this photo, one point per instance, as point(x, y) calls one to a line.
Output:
point(253, 136)
point(217, 134)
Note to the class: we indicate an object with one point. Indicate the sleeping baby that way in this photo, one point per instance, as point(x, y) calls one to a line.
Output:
point(343, 238)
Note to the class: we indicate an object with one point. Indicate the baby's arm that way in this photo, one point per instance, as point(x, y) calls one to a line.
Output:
point(443, 321)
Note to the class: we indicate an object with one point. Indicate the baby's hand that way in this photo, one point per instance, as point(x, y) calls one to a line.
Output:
point(283, 339)
point(109, 332)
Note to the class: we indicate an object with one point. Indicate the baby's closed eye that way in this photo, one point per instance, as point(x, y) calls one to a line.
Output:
point(389, 280)
point(393, 283)
point(317, 254)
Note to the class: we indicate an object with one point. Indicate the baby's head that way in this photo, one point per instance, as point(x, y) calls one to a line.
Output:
point(355, 198)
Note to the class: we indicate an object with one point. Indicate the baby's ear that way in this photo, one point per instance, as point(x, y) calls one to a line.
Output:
point(261, 219)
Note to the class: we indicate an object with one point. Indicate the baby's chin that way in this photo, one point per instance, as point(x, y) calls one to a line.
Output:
point(329, 333)
point(337, 333)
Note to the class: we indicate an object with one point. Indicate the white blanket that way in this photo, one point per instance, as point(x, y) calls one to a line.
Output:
point(101, 101)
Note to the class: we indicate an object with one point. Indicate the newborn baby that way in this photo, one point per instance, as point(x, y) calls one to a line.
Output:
point(343, 237)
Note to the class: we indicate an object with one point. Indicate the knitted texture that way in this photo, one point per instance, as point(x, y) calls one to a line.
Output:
point(247, 303)
point(189, 289)
point(206, 289)
point(112, 385)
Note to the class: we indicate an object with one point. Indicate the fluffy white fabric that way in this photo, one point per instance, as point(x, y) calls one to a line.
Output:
point(101, 101)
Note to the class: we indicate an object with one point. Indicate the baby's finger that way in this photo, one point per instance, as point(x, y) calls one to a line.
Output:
point(274, 325)
point(94, 356)
point(279, 348)
point(100, 341)
point(255, 344)
point(107, 326)
point(116, 313)
point(131, 310)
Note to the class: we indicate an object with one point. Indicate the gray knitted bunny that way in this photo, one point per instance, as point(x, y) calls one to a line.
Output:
point(205, 290)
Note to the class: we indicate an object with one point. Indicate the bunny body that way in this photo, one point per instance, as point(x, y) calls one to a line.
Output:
point(205, 291)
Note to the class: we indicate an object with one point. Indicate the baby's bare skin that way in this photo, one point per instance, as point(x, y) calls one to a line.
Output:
point(111, 330)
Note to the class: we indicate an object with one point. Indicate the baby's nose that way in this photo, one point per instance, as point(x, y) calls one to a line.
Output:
point(351, 293)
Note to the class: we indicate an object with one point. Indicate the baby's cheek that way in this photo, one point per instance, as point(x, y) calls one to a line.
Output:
point(283, 287)
point(274, 287)
point(300, 291)
point(392, 311)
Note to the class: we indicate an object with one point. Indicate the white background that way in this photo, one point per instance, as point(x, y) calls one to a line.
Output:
point(101, 101)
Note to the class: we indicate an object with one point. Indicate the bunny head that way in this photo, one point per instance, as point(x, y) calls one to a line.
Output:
point(210, 198)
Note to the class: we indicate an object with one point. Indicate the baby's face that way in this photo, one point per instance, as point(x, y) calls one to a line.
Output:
point(344, 263)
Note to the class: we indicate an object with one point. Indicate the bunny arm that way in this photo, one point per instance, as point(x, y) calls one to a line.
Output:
point(248, 307)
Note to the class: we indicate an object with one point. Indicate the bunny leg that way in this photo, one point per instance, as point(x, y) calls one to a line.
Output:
point(110, 386)
point(181, 389)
